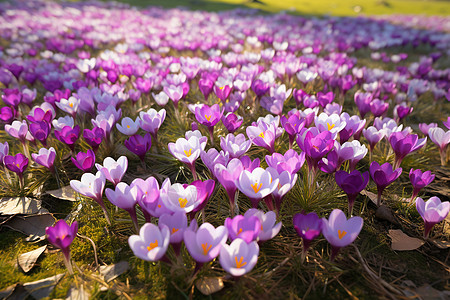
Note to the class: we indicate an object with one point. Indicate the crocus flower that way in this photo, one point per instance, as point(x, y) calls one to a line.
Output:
point(68, 135)
point(175, 93)
point(232, 122)
point(256, 184)
point(84, 161)
point(94, 137)
point(17, 163)
point(424, 128)
point(37, 114)
point(419, 180)
point(293, 126)
point(45, 157)
point(205, 86)
point(403, 144)
point(213, 157)
point(62, 122)
point(315, 146)
point(353, 127)
point(128, 126)
point(152, 242)
point(441, 139)
point(40, 130)
point(205, 190)
point(180, 198)
point(331, 163)
point(113, 170)
point(69, 106)
point(222, 92)
point(147, 196)
point(339, 231)
point(332, 123)
point(263, 135)
point(12, 97)
point(308, 227)
point(249, 164)
point(151, 121)
point(18, 130)
point(291, 161)
point(61, 235)
point(205, 243)
point(401, 111)
point(124, 197)
point(4, 150)
point(432, 212)
point(228, 176)
point(161, 99)
point(235, 146)
point(7, 114)
point(239, 257)
point(246, 228)
point(286, 182)
point(378, 107)
point(363, 101)
point(383, 176)
point(268, 227)
point(92, 186)
point(373, 136)
point(447, 123)
point(352, 184)
point(139, 145)
point(177, 224)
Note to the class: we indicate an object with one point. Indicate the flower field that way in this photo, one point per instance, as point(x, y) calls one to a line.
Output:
point(176, 153)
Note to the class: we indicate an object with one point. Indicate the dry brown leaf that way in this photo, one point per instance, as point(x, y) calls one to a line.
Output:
point(33, 226)
point(64, 193)
point(27, 260)
point(15, 291)
point(19, 205)
point(373, 197)
point(209, 285)
point(42, 288)
point(403, 242)
point(113, 271)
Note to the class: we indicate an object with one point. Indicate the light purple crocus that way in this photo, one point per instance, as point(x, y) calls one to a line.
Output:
point(180, 198)
point(213, 157)
point(125, 197)
point(92, 186)
point(113, 170)
point(291, 161)
point(286, 182)
point(205, 243)
point(268, 227)
point(151, 121)
point(177, 224)
point(235, 146)
point(293, 126)
point(17, 163)
point(441, 139)
point(403, 144)
point(256, 184)
point(246, 228)
point(373, 136)
point(432, 212)
point(4, 150)
point(209, 117)
point(308, 227)
point(205, 190)
point(128, 126)
point(18, 130)
point(424, 127)
point(383, 176)
point(45, 157)
point(339, 231)
point(152, 242)
point(419, 180)
point(263, 135)
point(353, 127)
point(61, 235)
point(239, 257)
point(84, 160)
point(228, 176)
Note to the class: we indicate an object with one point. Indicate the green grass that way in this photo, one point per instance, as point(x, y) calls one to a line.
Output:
point(313, 7)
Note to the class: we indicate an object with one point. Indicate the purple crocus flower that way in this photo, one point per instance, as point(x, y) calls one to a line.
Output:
point(232, 122)
point(45, 157)
point(7, 114)
point(139, 145)
point(17, 163)
point(401, 111)
point(61, 235)
point(256, 184)
point(179, 197)
point(352, 184)
point(249, 164)
point(363, 101)
point(152, 242)
point(175, 93)
point(293, 126)
point(245, 228)
point(68, 135)
point(84, 160)
point(38, 114)
point(209, 117)
point(205, 86)
point(94, 137)
point(12, 97)
point(239, 257)
point(260, 87)
point(151, 121)
point(432, 212)
point(263, 135)
point(308, 227)
point(373, 136)
point(213, 157)
point(18, 129)
point(339, 231)
point(205, 243)
point(235, 146)
point(92, 186)
point(291, 161)
point(40, 130)
point(383, 176)
point(128, 126)
point(205, 190)
point(124, 197)
point(441, 139)
point(424, 128)
point(353, 127)
point(15, 69)
point(403, 144)
point(222, 92)
point(228, 176)
point(419, 180)
point(113, 170)
point(315, 147)
point(286, 182)
point(378, 107)
point(447, 123)
point(4, 150)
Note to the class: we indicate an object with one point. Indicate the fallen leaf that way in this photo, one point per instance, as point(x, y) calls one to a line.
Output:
point(209, 285)
point(113, 271)
point(441, 244)
point(403, 242)
point(64, 193)
point(78, 293)
point(27, 260)
point(42, 288)
point(427, 292)
point(15, 291)
point(33, 226)
point(373, 197)
point(19, 205)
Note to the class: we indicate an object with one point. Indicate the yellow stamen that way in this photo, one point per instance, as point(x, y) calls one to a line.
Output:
point(159, 205)
point(182, 202)
point(255, 187)
point(18, 165)
point(279, 186)
point(174, 230)
point(208, 117)
point(206, 248)
point(330, 126)
point(262, 228)
point(261, 134)
point(152, 245)
point(341, 234)
point(62, 237)
point(188, 153)
point(71, 104)
point(221, 88)
point(239, 231)
point(239, 263)
point(315, 147)
point(128, 126)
